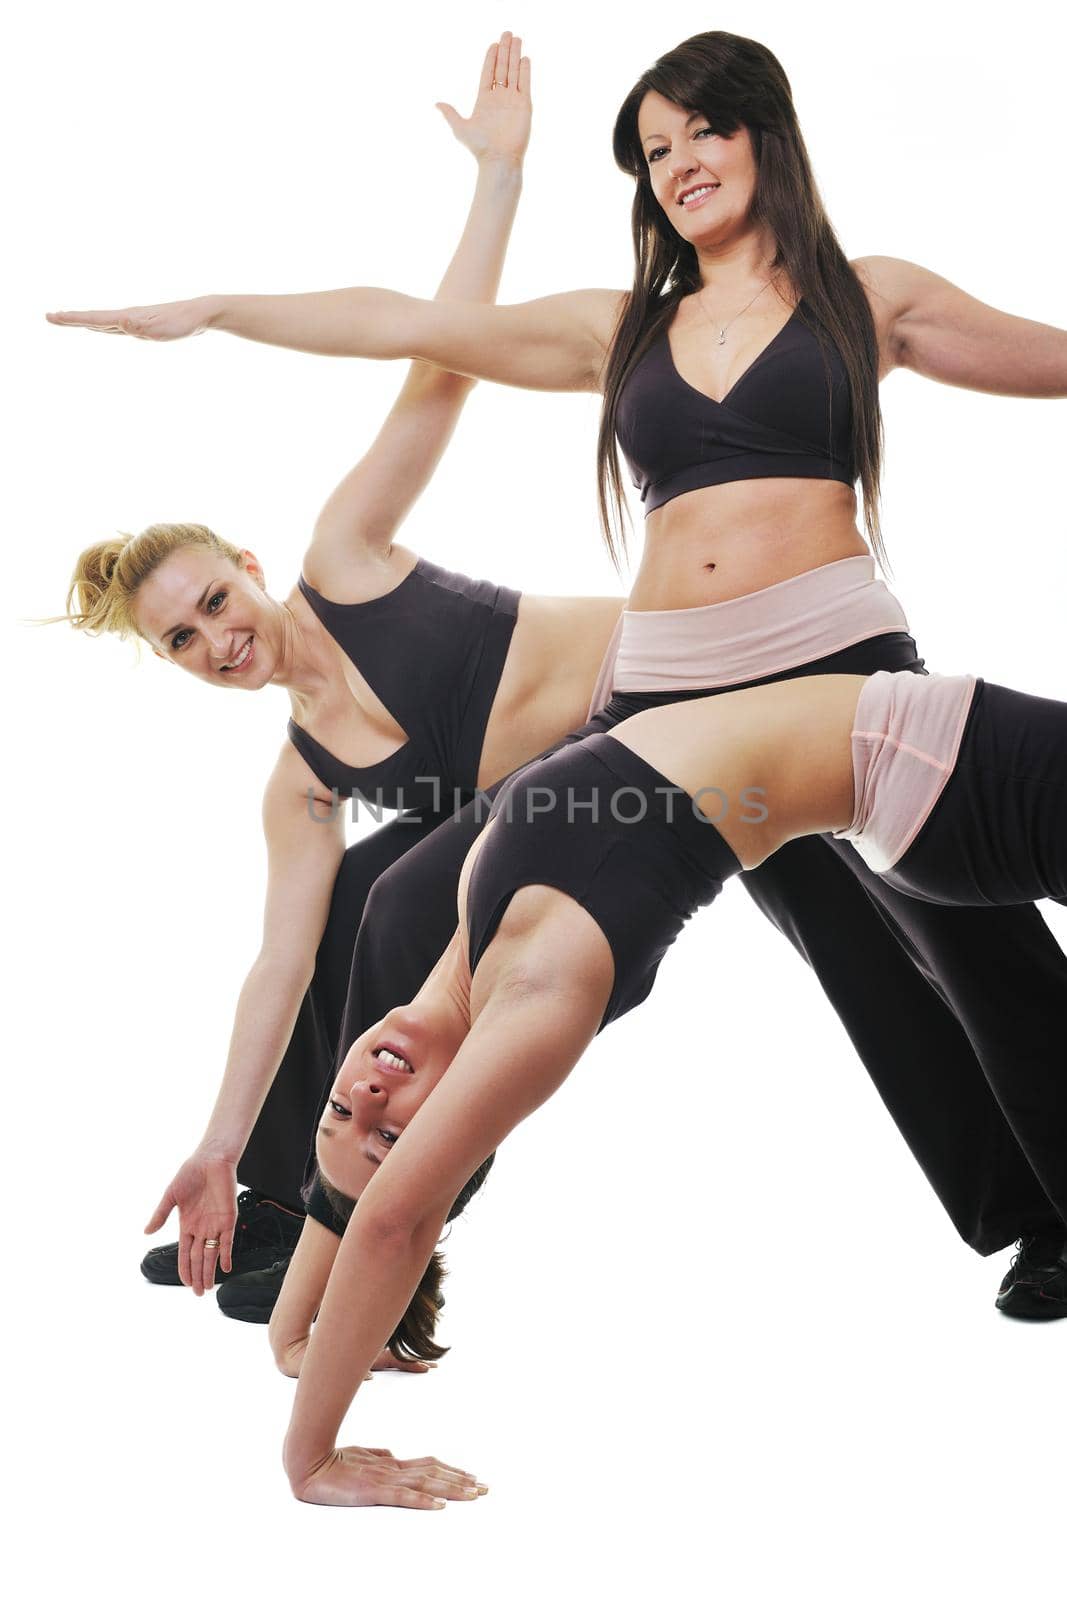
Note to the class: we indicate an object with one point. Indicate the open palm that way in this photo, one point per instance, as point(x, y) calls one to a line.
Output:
point(498, 129)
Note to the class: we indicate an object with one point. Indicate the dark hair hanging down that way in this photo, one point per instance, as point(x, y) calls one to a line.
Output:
point(413, 1337)
point(738, 83)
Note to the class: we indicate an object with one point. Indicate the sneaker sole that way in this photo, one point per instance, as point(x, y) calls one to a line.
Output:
point(165, 1275)
point(1032, 1308)
point(246, 1312)
point(172, 1280)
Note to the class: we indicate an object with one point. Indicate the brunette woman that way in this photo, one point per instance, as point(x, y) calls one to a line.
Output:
point(740, 377)
point(953, 789)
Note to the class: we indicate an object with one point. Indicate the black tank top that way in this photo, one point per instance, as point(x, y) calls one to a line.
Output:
point(596, 821)
point(789, 415)
point(433, 650)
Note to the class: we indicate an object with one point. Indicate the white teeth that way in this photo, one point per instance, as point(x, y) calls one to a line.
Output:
point(393, 1060)
point(242, 655)
point(698, 194)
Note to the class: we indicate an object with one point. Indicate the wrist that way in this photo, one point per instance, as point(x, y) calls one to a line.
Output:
point(216, 1147)
point(217, 308)
point(501, 173)
point(302, 1459)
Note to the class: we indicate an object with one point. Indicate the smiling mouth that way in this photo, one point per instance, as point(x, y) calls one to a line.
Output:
point(693, 197)
point(242, 658)
point(391, 1060)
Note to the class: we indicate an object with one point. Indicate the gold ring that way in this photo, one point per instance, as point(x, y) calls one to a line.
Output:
point(211, 1244)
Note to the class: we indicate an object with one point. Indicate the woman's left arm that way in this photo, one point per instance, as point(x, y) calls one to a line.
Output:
point(368, 505)
point(930, 326)
point(509, 1064)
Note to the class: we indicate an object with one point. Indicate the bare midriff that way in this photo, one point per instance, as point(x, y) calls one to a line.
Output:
point(552, 664)
point(733, 539)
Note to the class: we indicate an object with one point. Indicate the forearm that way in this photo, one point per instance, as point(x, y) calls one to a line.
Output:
point(303, 1289)
point(266, 1013)
point(376, 1276)
point(475, 269)
point(376, 324)
point(473, 274)
point(429, 404)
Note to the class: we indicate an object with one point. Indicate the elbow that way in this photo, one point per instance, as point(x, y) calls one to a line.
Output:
point(398, 1225)
point(392, 1230)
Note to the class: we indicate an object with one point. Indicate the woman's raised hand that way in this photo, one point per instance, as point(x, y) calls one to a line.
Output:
point(498, 129)
point(176, 320)
point(204, 1190)
point(362, 1477)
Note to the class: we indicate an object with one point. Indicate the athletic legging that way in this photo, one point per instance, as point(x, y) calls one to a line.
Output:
point(996, 981)
point(998, 833)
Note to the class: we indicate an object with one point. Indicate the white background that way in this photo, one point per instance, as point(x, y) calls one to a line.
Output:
point(712, 1332)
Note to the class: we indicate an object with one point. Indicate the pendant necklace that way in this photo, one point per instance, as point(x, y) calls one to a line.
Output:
point(724, 326)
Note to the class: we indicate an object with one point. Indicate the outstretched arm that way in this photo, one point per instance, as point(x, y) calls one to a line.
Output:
point(508, 1066)
point(929, 325)
point(304, 852)
point(559, 342)
point(368, 505)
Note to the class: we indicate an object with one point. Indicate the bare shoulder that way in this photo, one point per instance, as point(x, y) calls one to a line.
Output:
point(893, 282)
point(892, 287)
point(352, 576)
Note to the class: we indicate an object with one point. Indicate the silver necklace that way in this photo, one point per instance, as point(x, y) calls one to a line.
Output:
point(724, 326)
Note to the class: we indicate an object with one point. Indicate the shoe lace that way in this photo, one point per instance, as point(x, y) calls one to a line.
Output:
point(1040, 1249)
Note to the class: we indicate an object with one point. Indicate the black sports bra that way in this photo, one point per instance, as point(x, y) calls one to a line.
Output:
point(788, 415)
point(433, 650)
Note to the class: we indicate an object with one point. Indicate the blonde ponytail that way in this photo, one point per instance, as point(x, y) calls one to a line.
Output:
point(108, 575)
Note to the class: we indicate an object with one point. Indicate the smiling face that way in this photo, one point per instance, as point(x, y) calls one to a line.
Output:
point(386, 1076)
point(705, 182)
point(211, 617)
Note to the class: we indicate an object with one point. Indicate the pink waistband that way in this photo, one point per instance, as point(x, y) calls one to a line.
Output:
point(905, 742)
point(736, 641)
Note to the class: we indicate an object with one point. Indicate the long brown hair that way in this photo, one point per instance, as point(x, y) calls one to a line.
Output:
point(413, 1337)
point(736, 83)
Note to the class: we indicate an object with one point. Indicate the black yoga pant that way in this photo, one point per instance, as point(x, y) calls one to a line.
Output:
point(956, 1013)
point(998, 833)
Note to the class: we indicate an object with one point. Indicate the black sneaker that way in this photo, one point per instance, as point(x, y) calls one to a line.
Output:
point(1036, 1285)
point(264, 1231)
point(251, 1297)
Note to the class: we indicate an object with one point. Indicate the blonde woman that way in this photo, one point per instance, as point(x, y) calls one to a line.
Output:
point(740, 379)
point(407, 684)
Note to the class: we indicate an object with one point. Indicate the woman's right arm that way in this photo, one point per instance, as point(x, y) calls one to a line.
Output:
point(559, 342)
point(305, 844)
